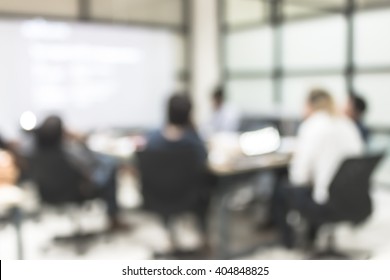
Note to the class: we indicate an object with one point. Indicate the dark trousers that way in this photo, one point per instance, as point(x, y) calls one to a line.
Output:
point(105, 182)
point(108, 194)
point(286, 198)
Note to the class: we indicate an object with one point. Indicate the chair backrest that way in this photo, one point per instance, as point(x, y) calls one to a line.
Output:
point(349, 193)
point(171, 179)
point(57, 179)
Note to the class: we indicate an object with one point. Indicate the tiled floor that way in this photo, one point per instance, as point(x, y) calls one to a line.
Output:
point(149, 236)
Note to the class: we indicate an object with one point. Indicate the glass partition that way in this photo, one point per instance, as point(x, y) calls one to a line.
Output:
point(249, 50)
point(315, 44)
point(251, 96)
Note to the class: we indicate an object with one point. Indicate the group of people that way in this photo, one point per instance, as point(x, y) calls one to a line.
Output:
point(327, 136)
point(325, 139)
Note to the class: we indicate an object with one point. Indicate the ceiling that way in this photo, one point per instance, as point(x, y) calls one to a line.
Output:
point(150, 11)
point(336, 4)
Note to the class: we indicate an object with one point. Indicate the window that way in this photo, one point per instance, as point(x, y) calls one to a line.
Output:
point(251, 96)
point(249, 50)
point(319, 43)
point(244, 11)
point(376, 90)
point(151, 11)
point(372, 38)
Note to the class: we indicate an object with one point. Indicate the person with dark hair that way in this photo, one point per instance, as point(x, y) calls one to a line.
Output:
point(225, 117)
point(179, 129)
point(98, 171)
point(179, 134)
point(50, 134)
point(3, 144)
point(356, 109)
point(218, 96)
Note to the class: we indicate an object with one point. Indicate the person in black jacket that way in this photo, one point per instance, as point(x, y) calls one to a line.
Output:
point(179, 130)
point(178, 133)
point(98, 172)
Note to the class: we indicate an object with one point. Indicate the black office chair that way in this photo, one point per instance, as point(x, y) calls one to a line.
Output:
point(59, 186)
point(349, 201)
point(13, 215)
point(173, 182)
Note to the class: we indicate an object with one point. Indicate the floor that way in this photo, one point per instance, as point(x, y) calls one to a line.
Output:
point(148, 236)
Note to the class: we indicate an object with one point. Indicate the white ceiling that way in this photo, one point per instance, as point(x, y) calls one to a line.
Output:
point(152, 11)
point(335, 3)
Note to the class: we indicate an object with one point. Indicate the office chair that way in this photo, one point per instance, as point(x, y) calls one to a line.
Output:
point(59, 184)
point(173, 182)
point(11, 200)
point(349, 201)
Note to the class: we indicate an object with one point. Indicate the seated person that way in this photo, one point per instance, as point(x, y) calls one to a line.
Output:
point(97, 171)
point(180, 132)
point(356, 109)
point(179, 129)
point(10, 194)
point(325, 139)
point(225, 117)
point(3, 143)
point(9, 172)
point(12, 147)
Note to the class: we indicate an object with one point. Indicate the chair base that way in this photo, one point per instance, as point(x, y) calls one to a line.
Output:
point(81, 241)
point(329, 254)
point(182, 255)
point(333, 254)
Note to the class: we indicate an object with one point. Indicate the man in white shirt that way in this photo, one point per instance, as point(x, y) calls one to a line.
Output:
point(225, 117)
point(325, 140)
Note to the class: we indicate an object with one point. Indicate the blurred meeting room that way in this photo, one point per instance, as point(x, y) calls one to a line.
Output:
point(194, 129)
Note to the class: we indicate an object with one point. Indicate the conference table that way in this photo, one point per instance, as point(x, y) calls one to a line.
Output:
point(231, 177)
point(245, 165)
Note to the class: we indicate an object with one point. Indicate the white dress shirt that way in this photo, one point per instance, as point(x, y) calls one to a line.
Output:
point(225, 119)
point(324, 142)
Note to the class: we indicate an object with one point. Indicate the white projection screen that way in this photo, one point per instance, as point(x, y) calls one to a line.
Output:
point(94, 76)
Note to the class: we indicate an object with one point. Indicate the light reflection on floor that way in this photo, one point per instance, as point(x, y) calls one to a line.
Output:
point(148, 236)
